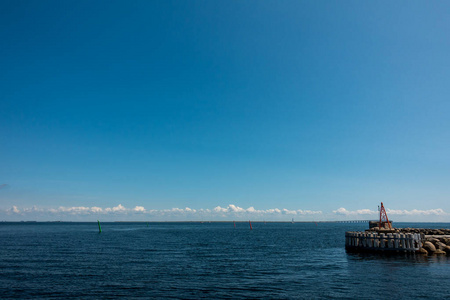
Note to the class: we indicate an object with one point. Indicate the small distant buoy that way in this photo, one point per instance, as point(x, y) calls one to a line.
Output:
point(234, 224)
point(250, 225)
point(147, 224)
point(99, 227)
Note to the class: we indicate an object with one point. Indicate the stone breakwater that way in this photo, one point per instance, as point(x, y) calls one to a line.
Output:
point(434, 241)
point(419, 240)
point(436, 245)
point(423, 231)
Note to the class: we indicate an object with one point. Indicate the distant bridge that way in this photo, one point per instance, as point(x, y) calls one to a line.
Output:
point(335, 221)
point(353, 221)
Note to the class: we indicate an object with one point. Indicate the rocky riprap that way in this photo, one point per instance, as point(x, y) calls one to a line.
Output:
point(436, 245)
point(425, 231)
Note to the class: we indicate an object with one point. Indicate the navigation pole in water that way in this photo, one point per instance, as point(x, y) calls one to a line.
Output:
point(99, 227)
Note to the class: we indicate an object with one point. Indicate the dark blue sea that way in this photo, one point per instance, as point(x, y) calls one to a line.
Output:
point(208, 260)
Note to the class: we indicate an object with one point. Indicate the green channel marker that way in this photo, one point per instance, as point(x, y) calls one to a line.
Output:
point(99, 227)
point(147, 224)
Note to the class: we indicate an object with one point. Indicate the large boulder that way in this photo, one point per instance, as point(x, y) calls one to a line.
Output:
point(429, 247)
point(422, 251)
point(440, 245)
point(439, 251)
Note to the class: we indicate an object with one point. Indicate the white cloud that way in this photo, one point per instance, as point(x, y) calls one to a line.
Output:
point(120, 211)
point(220, 209)
point(415, 212)
point(96, 209)
point(309, 212)
point(15, 210)
point(74, 210)
point(187, 209)
point(32, 209)
point(139, 209)
point(119, 207)
point(341, 211)
point(289, 212)
point(174, 210)
point(345, 212)
point(230, 212)
point(236, 210)
point(251, 209)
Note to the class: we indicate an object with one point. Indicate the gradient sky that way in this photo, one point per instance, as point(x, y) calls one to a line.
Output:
point(327, 107)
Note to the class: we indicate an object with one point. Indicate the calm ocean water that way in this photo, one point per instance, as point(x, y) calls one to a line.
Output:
point(209, 260)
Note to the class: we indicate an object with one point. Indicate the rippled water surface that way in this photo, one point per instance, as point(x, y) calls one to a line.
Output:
point(207, 260)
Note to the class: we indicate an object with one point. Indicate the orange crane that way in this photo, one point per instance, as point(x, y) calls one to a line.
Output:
point(383, 218)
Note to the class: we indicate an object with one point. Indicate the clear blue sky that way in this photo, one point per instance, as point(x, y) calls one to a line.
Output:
point(310, 105)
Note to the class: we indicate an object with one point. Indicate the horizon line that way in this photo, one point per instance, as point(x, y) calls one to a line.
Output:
point(226, 221)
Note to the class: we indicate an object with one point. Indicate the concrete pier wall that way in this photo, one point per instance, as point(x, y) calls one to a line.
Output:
point(373, 241)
